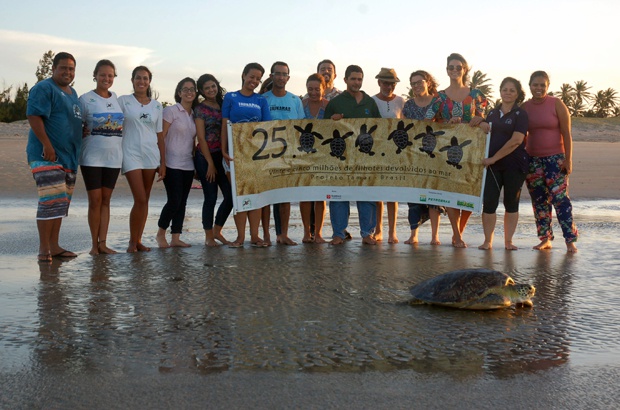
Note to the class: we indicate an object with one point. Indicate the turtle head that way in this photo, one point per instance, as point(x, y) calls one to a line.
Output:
point(523, 294)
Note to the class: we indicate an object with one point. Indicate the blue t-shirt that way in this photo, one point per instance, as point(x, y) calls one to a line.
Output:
point(239, 108)
point(62, 117)
point(288, 107)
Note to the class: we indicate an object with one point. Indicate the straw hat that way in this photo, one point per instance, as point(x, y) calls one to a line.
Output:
point(387, 74)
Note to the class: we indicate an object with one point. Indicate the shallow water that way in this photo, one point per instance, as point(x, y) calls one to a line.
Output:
point(313, 308)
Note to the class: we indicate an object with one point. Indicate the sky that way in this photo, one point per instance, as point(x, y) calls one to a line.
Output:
point(571, 40)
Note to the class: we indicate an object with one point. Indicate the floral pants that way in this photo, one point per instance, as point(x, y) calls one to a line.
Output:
point(548, 187)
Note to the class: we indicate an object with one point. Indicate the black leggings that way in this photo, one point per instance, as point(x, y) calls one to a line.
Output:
point(178, 184)
point(511, 181)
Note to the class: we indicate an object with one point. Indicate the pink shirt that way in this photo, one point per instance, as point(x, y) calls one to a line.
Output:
point(544, 137)
point(180, 138)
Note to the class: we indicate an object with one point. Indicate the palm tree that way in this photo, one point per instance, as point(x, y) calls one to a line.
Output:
point(567, 95)
point(582, 96)
point(479, 80)
point(605, 103)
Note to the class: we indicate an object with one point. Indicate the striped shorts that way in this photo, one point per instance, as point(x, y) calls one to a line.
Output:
point(55, 186)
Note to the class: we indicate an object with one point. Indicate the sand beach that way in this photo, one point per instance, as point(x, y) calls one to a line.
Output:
point(311, 326)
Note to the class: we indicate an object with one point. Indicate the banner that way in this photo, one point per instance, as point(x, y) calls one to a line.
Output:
point(368, 159)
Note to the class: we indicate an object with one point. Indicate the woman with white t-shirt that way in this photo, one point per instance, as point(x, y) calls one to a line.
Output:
point(179, 130)
point(144, 152)
point(102, 153)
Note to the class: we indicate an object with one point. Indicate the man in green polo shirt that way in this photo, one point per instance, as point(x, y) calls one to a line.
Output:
point(352, 103)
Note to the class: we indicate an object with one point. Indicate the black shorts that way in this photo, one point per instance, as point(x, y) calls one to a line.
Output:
point(99, 177)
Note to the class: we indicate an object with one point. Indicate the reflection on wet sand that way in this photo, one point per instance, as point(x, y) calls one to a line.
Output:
point(312, 308)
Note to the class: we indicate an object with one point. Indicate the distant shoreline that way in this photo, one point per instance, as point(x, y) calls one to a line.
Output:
point(595, 162)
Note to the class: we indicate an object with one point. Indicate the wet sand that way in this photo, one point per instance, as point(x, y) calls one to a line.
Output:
point(312, 326)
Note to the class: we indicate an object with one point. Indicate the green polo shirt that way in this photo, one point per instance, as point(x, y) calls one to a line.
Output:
point(346, 104)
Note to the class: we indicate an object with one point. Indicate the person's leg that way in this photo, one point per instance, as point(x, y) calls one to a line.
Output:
point(277, 221)
point(305, 208)
point(339, 217)
point(254, 216)
point(558, 187)
point(140, 182)
point(488, 226)
point(378, 235)
point(454, 215)
point(240, 223)
point(95, 198)
point(209, 193)
point(492, 189)
point(434, 215)
point(319, 218)
point(367, 212)
point(392, 217)
point(186, 178)
point(227, 204)
point(172, 184)
point(539, 195)
point(463, 221)
point(513, 183)
point(285, 216)
point(413, 216)
point(265, 221)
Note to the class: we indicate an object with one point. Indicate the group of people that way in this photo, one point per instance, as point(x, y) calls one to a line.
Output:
point(134, 135)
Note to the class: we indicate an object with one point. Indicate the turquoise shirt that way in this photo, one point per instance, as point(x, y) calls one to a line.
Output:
point(62, 118)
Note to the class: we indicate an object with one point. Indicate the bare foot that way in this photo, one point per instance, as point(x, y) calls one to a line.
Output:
point(94, 251)
point(545, 244)
point(571, 247)
point(142, 248)
point(132, 248)
point(103, 249)
point(393, 239)
point(307, 239)
point(486, 246)
point(177, 243)
point(459, 243)
point(337, 241)
point(369, 240)
point(412, 241)
point(435, 241)
point(509, 246)
point(378, 236)
point(285, 240)
point(162, 242)
point(267, 240)
point(211, 242)
point(319, 239)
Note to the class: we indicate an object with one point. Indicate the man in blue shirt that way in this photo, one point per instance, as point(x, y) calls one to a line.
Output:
point(54, 142)
point(353, 103)
point(283, 105)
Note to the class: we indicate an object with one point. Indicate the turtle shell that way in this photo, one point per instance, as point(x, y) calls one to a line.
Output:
point(401, 138)
point(459, 286)
point(365, 142)
point(455, 154)
point(429, 142)
point(337, 146)
point(306, 140)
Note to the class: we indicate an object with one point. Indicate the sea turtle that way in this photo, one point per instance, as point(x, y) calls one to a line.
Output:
point(481, 289)
point(400, 136)
point(306, 139)
point(455, 151)
point(337, 144)
point(429, 140)
point(365, 140)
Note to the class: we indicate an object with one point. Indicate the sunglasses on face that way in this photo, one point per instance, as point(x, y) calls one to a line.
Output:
point(455, 68)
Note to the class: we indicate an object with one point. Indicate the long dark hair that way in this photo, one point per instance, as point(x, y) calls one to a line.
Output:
point(103, 63)
point(149, 92)
point(203, 79)
point(177, 91)
point(458, 57)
